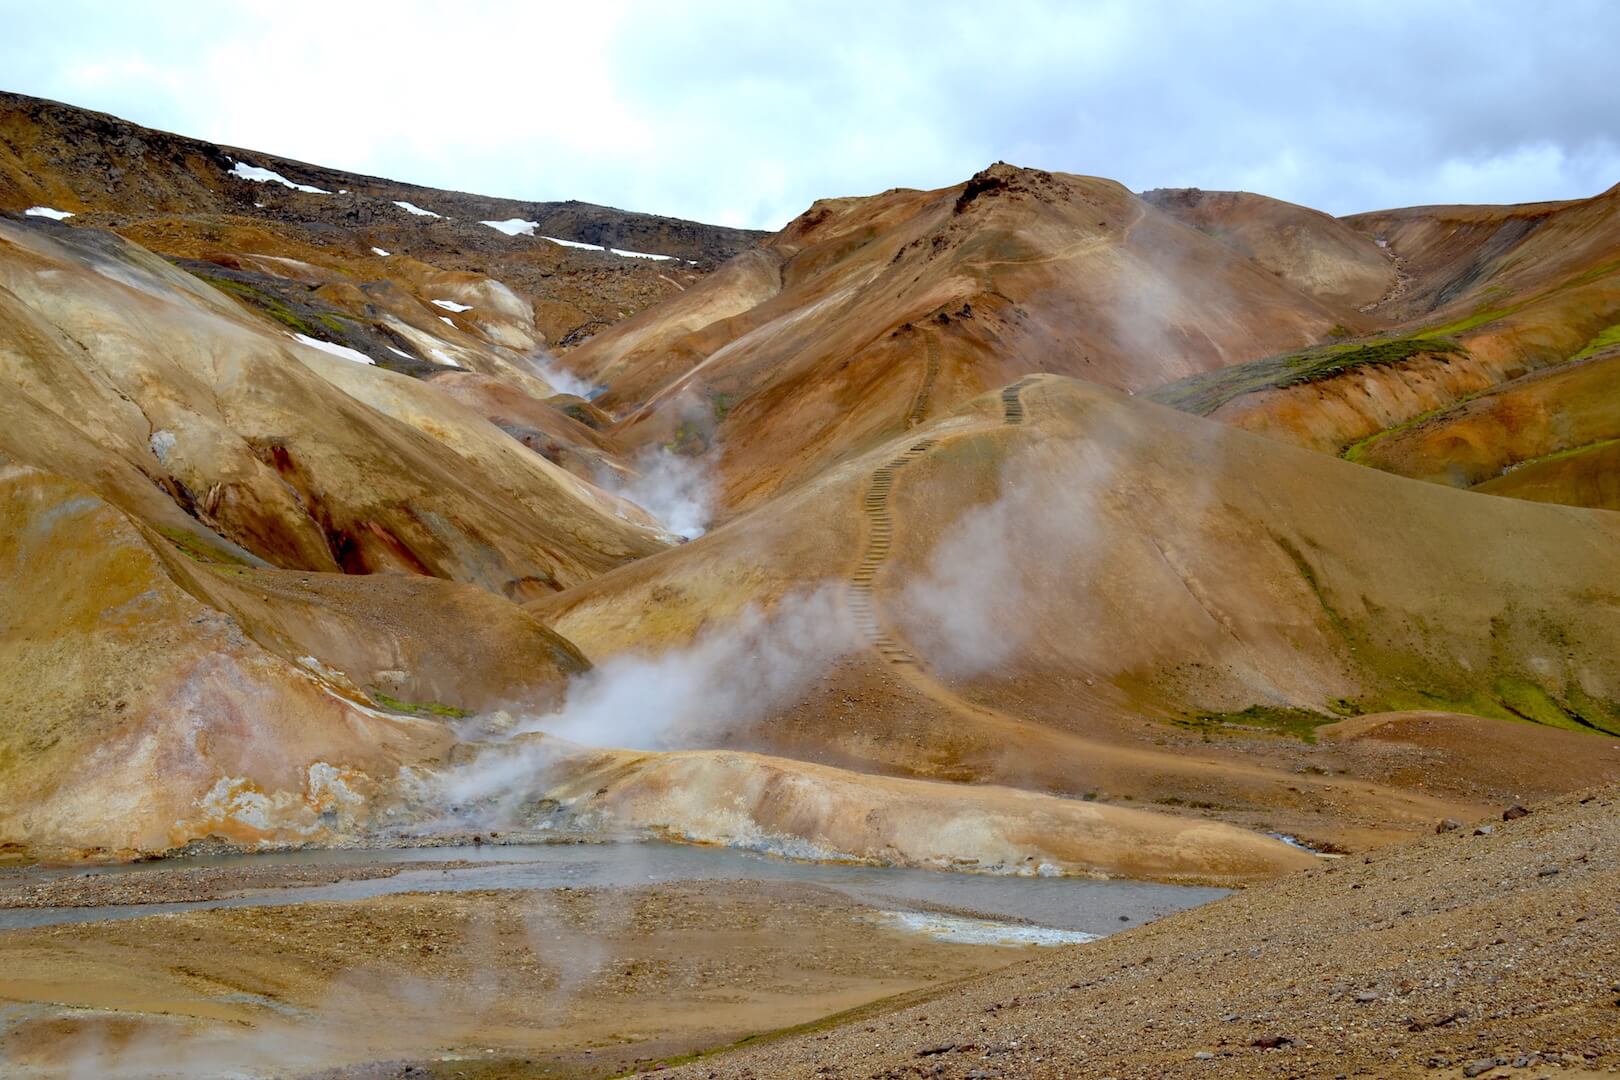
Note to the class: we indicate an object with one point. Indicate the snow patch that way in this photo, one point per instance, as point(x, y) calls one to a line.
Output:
point(514, 227)
point(263, 176)
point(46, 211)
point(397, 352)
point(451, 305)
point(447, 322)
point(642, 255)
point(574, 243)
point(336, 350)
point(444, 358)
point(412, 208)
point(381, 252)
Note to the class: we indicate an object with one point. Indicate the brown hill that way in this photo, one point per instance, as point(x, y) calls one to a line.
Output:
point(1494, 357)
point(178, 197)
point(865, 317)
point(1316, 253)
point(1063, 589)
point(163, 449)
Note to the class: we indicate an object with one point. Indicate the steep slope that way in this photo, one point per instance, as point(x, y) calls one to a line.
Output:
point(1318, 254)
point(152, 699)
point(181, 197)
point(1063, 589)
point(306, 460)
point(1458, 389)
point(1543, 422)
point(865, 317)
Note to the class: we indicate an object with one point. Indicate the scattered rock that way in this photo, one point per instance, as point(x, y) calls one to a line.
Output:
point(1447, 825)
point(1485, 830)
point(1483, 1065)
point(1272, 1042)
point(1547, 871)
point(1204, 1055)
point(1514, 813)
point(939, 1048)
point(1367, 996)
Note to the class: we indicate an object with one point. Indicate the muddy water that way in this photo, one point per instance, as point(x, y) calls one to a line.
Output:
point(1066, 904)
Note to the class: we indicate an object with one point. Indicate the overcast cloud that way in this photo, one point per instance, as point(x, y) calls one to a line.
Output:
point(743, 113)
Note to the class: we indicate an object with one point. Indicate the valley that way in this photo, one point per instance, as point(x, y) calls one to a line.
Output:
point(450, 635)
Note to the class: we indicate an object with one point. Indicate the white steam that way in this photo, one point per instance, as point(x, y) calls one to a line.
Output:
point(677, 490)
point(970, 611)
point(559, 378)
point(726, 680)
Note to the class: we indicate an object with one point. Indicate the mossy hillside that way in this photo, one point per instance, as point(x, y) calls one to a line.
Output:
point(1605, 339)
point(1269, 720)
point(1411, 663)
point(416, 708)
point(1203, 394)
point(260, 301)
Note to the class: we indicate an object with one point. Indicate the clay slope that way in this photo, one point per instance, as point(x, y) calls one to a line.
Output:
point(866, 317)
point(178, 196)
point(1462, 956)
point(1059, 588)
point(151, 387)
point(153, 698)
point(1495, 358)
point(244, 581)
point(1318, 254)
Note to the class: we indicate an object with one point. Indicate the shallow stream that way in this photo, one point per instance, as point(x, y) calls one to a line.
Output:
point(1077, 907)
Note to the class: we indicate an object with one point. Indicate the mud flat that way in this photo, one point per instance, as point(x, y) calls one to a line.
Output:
point(555, 960)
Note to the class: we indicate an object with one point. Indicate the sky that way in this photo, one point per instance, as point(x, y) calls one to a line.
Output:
point(745, 113)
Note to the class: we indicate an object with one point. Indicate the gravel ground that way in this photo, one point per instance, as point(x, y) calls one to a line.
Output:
point(1492, 950)
point(178, 885)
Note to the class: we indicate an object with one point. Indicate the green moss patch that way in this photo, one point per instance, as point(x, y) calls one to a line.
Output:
point(414, 708)
point(1203, 394)
point(1607, 338)
point(260, 301)
point(194, 549)
point(1268, 720)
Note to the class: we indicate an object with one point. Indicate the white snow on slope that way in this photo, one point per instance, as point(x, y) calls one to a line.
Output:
point(336, 350)
point(574, 243)
point(397, 352)
point(447, 322)
point(45, 211)
point(444, 358)
point(513, 226)
point(260, 176)
point(451, 305)
point(412, 208)
point(380, 251)
point(621, 252)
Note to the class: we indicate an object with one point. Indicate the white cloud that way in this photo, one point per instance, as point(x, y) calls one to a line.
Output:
point(745, 113)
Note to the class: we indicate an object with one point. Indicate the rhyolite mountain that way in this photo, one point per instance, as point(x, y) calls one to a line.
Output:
point(1056, 528)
